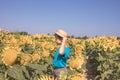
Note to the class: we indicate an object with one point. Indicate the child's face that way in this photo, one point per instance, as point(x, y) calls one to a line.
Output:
point(58, 39)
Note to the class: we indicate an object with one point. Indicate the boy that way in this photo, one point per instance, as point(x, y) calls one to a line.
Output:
point(62, 53)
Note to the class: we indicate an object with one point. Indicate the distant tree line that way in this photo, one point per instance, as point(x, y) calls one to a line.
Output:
point(19, 33)
point(84, 37)
point(26, 33)
point(118, 37)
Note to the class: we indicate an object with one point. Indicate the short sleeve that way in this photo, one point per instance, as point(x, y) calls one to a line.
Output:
point(67, 52)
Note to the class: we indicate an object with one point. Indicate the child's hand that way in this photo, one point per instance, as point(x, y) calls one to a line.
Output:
point(63, 46)
point(64, 39)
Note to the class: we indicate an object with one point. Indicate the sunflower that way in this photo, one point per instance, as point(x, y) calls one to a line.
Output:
point(9, 56)
point(35, 57)
point(78, 77)
point(25, 58)
point(45, 54)
point(76, 63)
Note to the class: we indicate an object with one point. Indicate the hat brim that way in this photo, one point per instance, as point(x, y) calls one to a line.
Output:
point(59, 34)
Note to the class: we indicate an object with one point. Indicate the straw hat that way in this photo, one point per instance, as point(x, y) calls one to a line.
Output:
point(61, 33)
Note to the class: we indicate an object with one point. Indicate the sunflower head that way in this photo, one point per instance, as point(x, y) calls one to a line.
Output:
point(25, 58)
point(35, 57)
point(9, 57)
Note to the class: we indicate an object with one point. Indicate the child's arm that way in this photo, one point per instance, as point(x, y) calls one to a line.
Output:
point(62, 46)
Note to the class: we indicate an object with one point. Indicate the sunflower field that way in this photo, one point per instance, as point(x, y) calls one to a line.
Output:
point(29, 57)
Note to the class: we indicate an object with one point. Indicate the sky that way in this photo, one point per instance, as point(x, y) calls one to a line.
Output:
point(76, 17)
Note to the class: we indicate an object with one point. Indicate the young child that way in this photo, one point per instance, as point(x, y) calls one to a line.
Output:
point(62, 53)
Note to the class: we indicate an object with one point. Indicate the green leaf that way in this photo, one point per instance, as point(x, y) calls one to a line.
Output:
point(37, 68)
point(99, 68)
point(25, 71)
point(101, 58)
point(16, 73)
point(1, 60)
point(102, 77)
point(35, 78)
point(2, 76)
point(49, 60)
point(97, 77)
point(27, 48)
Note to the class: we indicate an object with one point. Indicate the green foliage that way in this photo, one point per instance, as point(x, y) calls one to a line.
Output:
point(16, 73)
point(109, 65)
point(2, 76)
point(26, 72)
point(63, 75)
point(1, 46)
point(106, 63)
point(27, 48)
